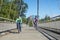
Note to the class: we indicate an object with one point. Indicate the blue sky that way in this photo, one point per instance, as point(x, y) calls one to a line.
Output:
point(46, 7)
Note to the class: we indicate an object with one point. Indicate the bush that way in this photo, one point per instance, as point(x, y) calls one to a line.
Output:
point(58, 19)
point(24, 20)
point(30, 24)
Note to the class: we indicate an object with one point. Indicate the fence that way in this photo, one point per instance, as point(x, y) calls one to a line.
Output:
point(53, 24)
point(6, 24)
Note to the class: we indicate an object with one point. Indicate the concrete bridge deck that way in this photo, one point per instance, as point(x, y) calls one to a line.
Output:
point(28, 33)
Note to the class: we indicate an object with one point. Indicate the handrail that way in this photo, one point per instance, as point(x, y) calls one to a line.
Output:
point(7, 19)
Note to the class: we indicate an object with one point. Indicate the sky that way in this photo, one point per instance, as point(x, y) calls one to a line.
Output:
point(46, 7)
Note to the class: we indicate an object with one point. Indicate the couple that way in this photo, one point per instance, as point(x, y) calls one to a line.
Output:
point(19, 23)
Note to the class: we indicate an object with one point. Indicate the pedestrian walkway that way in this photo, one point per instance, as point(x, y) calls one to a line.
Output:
point(28, 33)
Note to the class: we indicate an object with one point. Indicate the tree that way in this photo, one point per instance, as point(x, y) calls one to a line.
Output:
point(24, 20)
point(47, 18)
point(9, 9)
point(21, 5)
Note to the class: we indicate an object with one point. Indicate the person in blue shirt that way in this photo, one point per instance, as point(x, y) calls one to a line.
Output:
point(19, 22)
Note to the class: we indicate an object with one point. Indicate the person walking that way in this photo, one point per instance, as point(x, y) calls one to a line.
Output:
point(19, 23)
point(35, 21)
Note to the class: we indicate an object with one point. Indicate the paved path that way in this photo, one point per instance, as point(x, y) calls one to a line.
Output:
point(28, 33)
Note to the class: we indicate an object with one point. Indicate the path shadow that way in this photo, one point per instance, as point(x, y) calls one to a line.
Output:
point(12, 32)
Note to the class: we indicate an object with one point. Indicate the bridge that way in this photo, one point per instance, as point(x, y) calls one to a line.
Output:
point(44, 31)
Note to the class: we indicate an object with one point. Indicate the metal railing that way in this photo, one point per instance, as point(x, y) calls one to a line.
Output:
point(6, 24)
point(53, 24)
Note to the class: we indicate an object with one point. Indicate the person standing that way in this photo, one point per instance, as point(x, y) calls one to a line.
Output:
point(19, 23)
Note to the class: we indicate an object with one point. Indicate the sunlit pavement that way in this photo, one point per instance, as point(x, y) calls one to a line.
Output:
point(28, 33)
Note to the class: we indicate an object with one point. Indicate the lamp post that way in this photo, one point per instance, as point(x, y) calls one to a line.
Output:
point(38, 8)
point(38, 11)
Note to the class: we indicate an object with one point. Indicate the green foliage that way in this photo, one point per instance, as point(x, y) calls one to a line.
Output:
point(22, 7)
point(57, 19)
point(46, 19)
point(9, 9)
point(30, 23)
point(24, 20)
